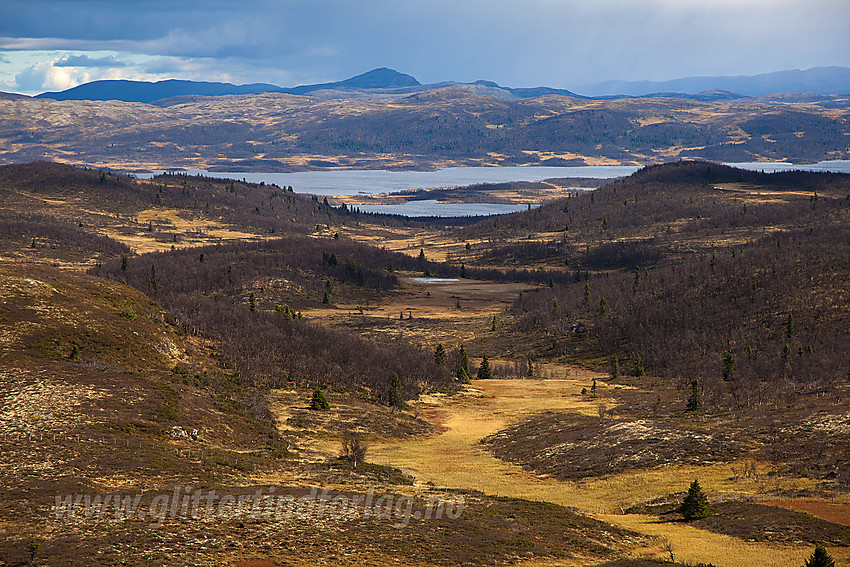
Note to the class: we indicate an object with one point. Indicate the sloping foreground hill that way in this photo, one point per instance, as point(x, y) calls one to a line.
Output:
point(97, 390)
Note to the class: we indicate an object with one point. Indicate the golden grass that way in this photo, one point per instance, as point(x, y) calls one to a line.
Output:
point(694, 545)
point(456, 459)
point(193, 232)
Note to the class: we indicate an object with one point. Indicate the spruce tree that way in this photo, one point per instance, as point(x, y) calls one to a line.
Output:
point(694, 402)
point(790, 329)
point(440, 355)
point(820, 558)
point(637, 367)
point(695, 504)
point(464, 361)
point(484, 372)
point(729, 366)
point(153, 283)
point(319, 401)
point(394, 398)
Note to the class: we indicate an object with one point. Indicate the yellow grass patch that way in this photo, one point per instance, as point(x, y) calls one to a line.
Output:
point(694, 545)
point(194, 232)
point(455, 458)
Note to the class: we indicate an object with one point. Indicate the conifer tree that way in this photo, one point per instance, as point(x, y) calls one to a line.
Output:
point(695, 504)
point(694, 402)
point(463, 374)
point(790, 329)
point(820, 558)
point(484, 372)
point(394, 398)
point(637, 367)
point(319, 401)
point(729, 366)
point(440, 355)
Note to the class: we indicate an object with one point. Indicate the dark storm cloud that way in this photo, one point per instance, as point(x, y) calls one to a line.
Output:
point(562, 43)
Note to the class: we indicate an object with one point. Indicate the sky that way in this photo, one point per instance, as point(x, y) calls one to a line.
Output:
point(48, 45)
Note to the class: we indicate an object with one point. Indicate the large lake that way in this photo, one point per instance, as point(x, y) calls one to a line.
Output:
point(375, 182)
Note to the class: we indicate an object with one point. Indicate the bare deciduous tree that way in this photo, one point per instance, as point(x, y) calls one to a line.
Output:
point(353, 449)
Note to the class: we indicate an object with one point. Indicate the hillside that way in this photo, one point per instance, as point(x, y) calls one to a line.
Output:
point(688, 321)
point(433, 128)
point(699, 260)
point(103, 396)
point(720, 294)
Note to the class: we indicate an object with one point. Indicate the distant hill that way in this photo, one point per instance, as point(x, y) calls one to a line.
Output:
point(384, 82)
point(382, 78)
point(142, 91)
point(380, 82)
point(819, 80)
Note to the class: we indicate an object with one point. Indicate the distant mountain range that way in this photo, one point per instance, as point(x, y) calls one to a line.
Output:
point(819, 80)
point(377, 83)
point(384, 83)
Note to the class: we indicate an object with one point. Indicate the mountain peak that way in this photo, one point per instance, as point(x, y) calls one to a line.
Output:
point(380, 78)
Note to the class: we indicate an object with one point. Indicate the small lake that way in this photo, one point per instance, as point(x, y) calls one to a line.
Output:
point(432, 208)
point(433, 280)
